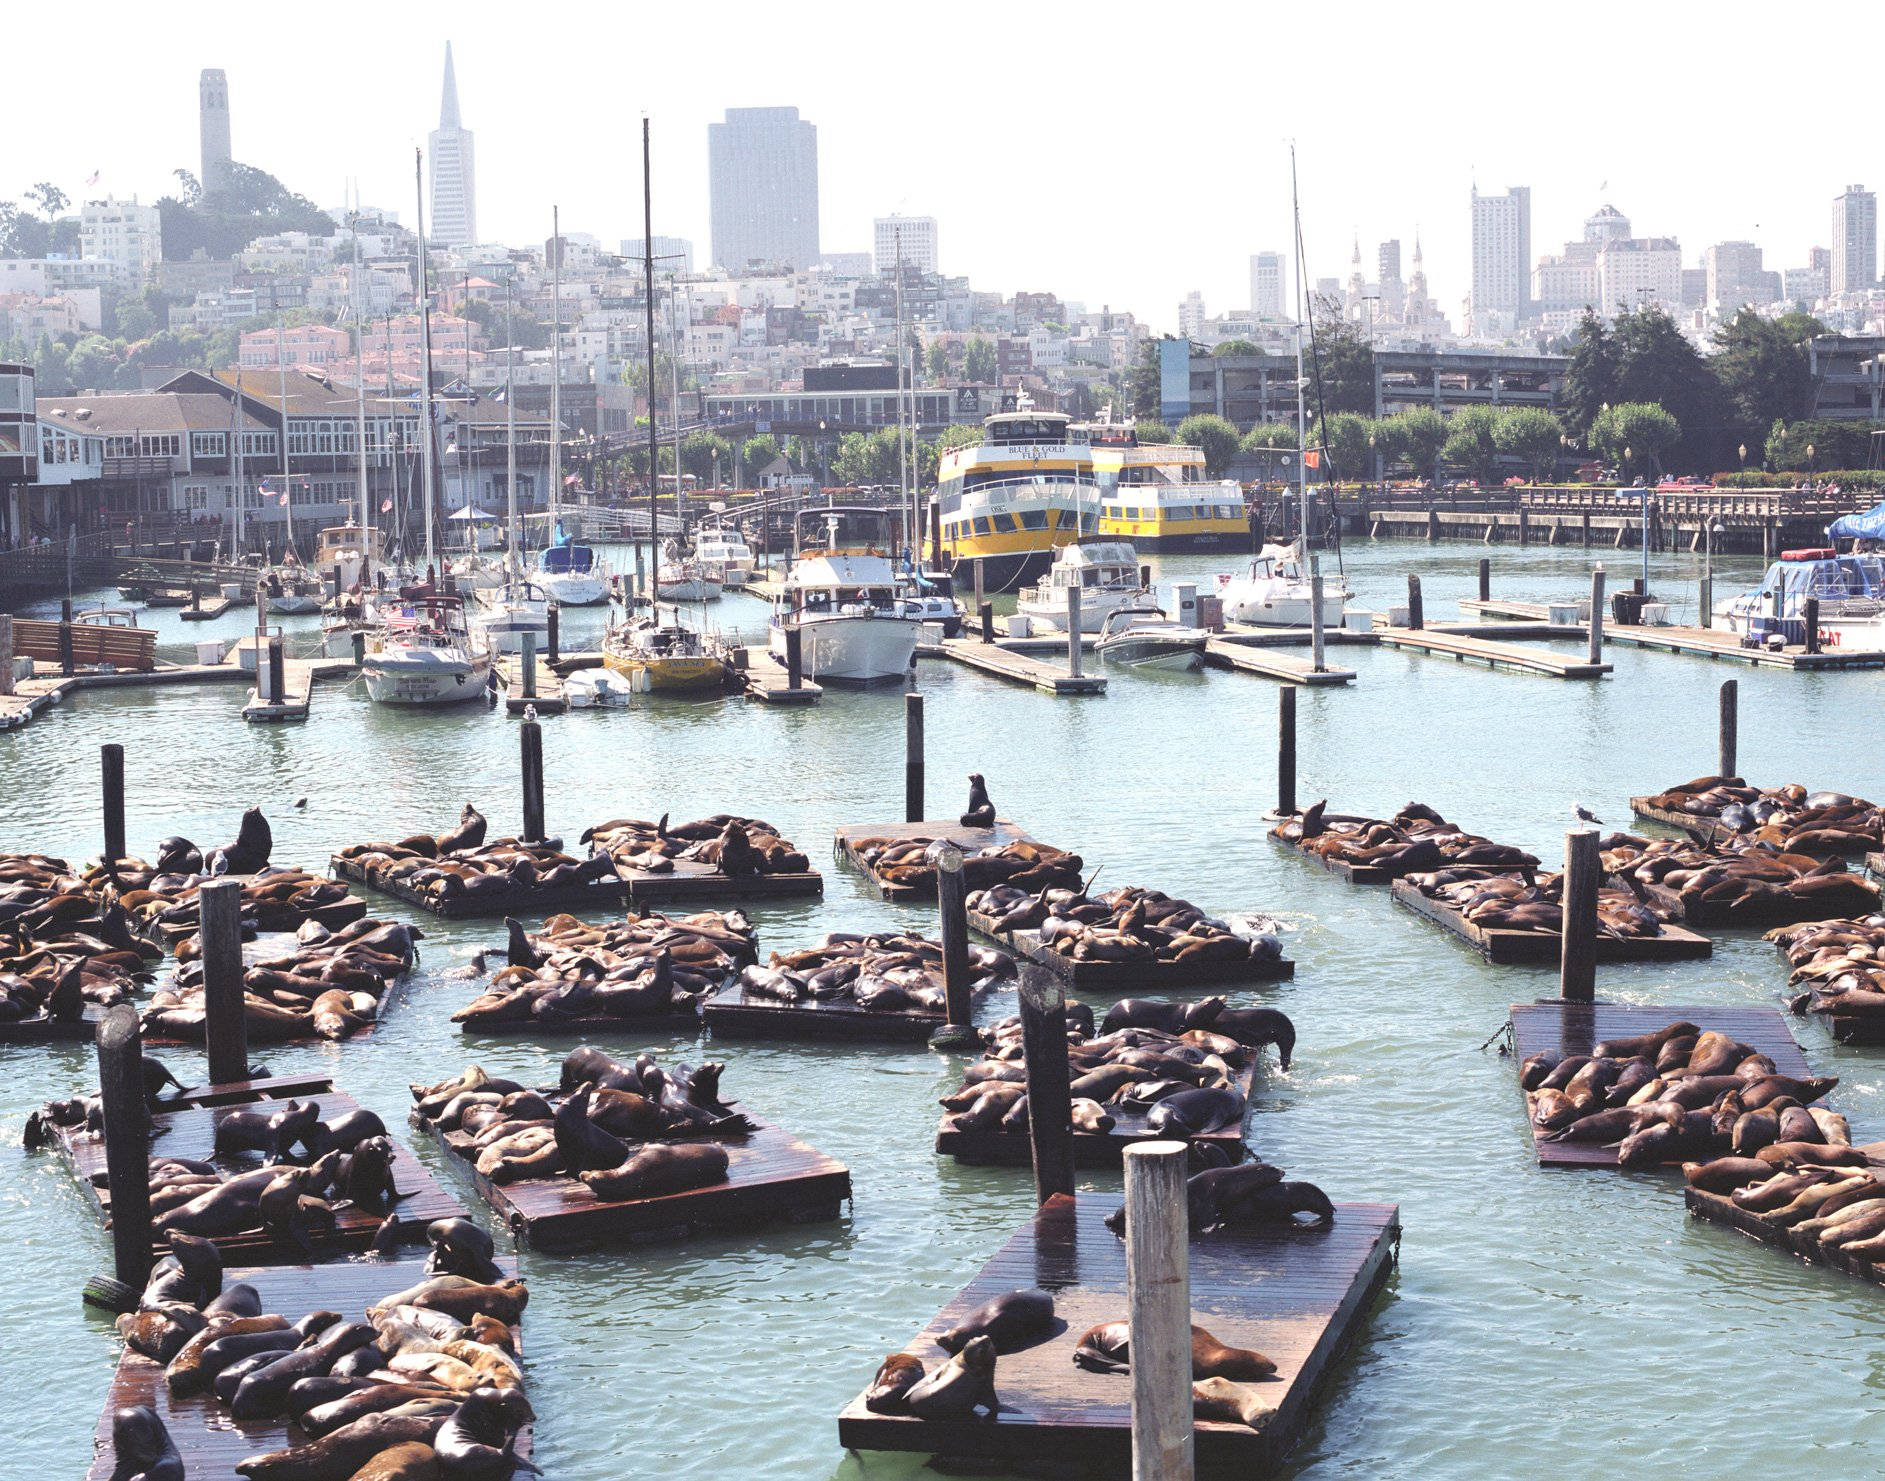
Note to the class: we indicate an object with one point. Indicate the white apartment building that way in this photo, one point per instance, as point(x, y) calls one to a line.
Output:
point(1269, 285)
point(124, 234)
point(1735, 276)
point(911, 238)
point(1191, 316)
point(1855, 240)
point(1637, 271)
point(1502, 256)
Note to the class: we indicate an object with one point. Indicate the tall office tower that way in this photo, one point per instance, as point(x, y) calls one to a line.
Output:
point(1269, 284)
point(1855, 240)
point(911, 237)
point(454, 221)
point(763, 176)
point(1388, 280)
point(1502, 255)
point(212, 93)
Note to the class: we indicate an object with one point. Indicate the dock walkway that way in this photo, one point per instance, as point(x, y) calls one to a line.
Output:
point(969, 840)
point(1437, 643)
point(767, 680)
point(546, 687)
point(1010, 663)
point(1263, 660)
point(1505, 947)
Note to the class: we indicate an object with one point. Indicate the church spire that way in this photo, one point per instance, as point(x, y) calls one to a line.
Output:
point(448, 105)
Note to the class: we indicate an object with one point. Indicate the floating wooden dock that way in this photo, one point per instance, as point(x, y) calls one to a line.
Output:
point(548, 698)
point(770, 1176)
point(1353, 873)
point(1008, 663)
point(1875, 865)
point(969, 840)
point(207, 611)
point(191, 1132)
point(1701, 829)
point(1507, 611)
point(690, 882)
point(676, 1020)
point(44, 1030)
point(1300, 1296)
point(1266, 662)
point(336, 913)
point(1126, 977)
point(1718, 1210)
point(1573, 1028)
point(765, 679)
point(1712, 642)
point(595, 894)
point(1504, 947)
point(210, 1440)
point(1466, 649)
point(1758, 912)
point(731, 1013)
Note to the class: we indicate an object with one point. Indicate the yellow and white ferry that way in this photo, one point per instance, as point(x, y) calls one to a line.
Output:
point(1159, 496)
point(1016, 497)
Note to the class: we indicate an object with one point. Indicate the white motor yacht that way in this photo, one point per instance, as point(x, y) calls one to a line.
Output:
point(1107, 573)
point(424, 654)
point(505, 613)
point(572, 575)
point(841, 598)
point(1140, 635)
point(724, 554)
point(1275, 591)
point(1849, 588)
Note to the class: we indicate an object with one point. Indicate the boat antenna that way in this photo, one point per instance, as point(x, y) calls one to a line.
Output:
point(648, 308)
point(1307, 308)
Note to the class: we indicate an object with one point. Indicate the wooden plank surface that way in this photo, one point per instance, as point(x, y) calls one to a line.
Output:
point(1573, 1028)
point(731, 1013)
point(1300, 1296)
point(1696, 826)
point(691, 882)
point(967, 839)
point(1718, 643)
point(1128, 977)
point(211, 1442)
point(770, 1176)
point(598, 894)
point(42, 1029)
point(1353, 873)
point(1266, 662)
point(1493, 655)
point(1504, 947)
point(1019, 668)
point(1718, 1210)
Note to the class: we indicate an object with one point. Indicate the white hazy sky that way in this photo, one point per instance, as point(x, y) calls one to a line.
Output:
point(1114, 154)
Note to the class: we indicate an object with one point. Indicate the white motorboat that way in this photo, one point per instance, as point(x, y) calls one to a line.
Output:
point(1849, 588)
point(724, 554)
point(475, 573)
point(597, 689)
point(352, 552)
point(1142, 636)
point(1276, 591)
point(572, 575)
point(1107, 573)
point(683, 578)
point(345, 615)
point(930, 597)
point(505, 613)
point(424, 654)
point(841, 598)
point(292, 589)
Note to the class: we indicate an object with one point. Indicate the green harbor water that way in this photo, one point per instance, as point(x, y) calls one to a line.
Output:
point(1570, 1324)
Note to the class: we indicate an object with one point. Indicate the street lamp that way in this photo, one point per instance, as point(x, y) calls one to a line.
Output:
point(1711, 527)
point(1809, 467)
point(1743, 450)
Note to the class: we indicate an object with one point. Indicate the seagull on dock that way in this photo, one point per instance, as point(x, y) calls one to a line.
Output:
point(1585, 815)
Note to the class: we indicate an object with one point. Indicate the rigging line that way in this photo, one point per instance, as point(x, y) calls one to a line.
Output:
point(1315, 361)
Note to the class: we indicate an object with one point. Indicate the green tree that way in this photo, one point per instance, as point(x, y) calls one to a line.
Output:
point(1238, 347)
point(1529, 433)
point(1471, 443)
point(1388, 441)
point(702, 453)
point(1590, 381)
point(1147, 400)
point(251, 203)
point(1267, 435)
point(1835, 445)
point(93, 362)
point(1343, 438)
point(757, 452)
point(938, 357)
point(1423, 433)
point(1636, 435)
point(1761, 365)
point(978, 361)
point(1213, 435)
point(1656, 363)
point(1151, 429)
point(963, 434)
point(1338, 363)
point(50, 199)
point(866, 457)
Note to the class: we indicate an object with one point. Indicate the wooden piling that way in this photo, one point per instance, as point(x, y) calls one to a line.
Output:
point(65, 636)
point(555, 616)
point(527, 663)
point(111, 767)
point(912, 757)
point(1812, 616)
point(226, 1027)
point(1577, 967)
point(127, 1142)
point(794, 658)
point(1485, 579)
point(952, 890)
point(1318, 640)
point(359, 647)
point(986, 612)
point(1286, 751)
point(1416, 615)
point(6, 653)
point(1158, 1293)
point(1728, 727)
point(1074, 651)
point(1596, 653)
point(978, 583)
point(1050, 1103)
point(277, 669)
point(531, 742)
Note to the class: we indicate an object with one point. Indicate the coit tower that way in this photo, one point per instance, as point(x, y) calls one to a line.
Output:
point(213, 111)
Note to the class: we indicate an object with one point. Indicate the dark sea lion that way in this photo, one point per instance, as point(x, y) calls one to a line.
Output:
point(336, 1456)
point(1169, 1017)
point(1012, 1321)
point(661, 1167)
point(1278, 1204)
point(238, 1300)
point(1257, 1027)
point(1197, 1112)
point(1310, 824)
point(187, 1373)
point(142, 1447)
point(478, 1442)
point(344, 1132)
point(367, 1396)
point(161, 1334)
point(156, 1076)
point(896, 1376)
point(959, 1387)
point(1725, 1174)
point(1107, 1349)
point(599, 1069)
point(1643, 1044)
point(980, 812)
point(582, 1145)
point(460, 1247)
point(249, 853)
point(469, 834)
point(264, 1393)
point(191, 1273)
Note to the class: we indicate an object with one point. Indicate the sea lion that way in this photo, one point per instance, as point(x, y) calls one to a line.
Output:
point(1168, 1017)
point(412, 1461)
point(980, 812)
point(263, 1393)
point(1197, 1112)
point(460, 1247)
point(142, 1447)
point(219, 1345)
point(661, 1167)
point(896, 1376)
point(518, 950)
point(336, 1456)
point(959, 1387)
point(249, 853)
point(478, 1442)
point(1257, 1027)
point(469, 834)
point(461, 1298)
point(582, 1145)
point(1107, 1349)
point(1231, 1403)
point(192, 1273)
point(1012, 1321)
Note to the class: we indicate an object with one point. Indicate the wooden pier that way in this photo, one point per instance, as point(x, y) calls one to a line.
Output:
point(771, 1176)
point(210, 1440)
point(1128, 977)
point(1264, 661)
point(191, 1132)
point(1573, 1028)
point(1701, 829)
point(1465, 649)
point(1300, 1296)
point(1364, 874)
point(1006, 662)
point(42, 1029)
point(766, 680)
point(691, 882)
point(1504, 947)
point(595, 894)
point(1694, 642)
point(1782, 908)
point(1718, 1210)
point(548, 698)
point(732, 1013)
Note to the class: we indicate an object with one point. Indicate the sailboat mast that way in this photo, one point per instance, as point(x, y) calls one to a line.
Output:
point(648, 307)
point(281, 390)
point(556, 366)
point(235, 440)
point(425, 363)
point(510, 441)
point(675, 338)
point(1302, 388)
point(903, 462)
point(360, 383)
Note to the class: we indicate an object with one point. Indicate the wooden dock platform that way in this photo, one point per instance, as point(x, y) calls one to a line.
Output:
point(207, 611)
point(1129, 977)
point(966, 839)
point(1718, 1210)
point(1573, 1028)
point(1699, 828)
point(766, 680)
point(191, 1132)
point(693, 883)
point(44, 1030)
point(596, 894)
point(1507, 611)
point(732, 1014)
point(771, 1176)
point(1875, 865)
point(1465, 649)
point(1536, 948)
point(1300, 1296)
point(548, 699)
point(1354, 873)
point(211, 1442)
point(1266, 662)
point(1757, 913)
point(1717, 643)
point(297, 685)
point(1008, 663)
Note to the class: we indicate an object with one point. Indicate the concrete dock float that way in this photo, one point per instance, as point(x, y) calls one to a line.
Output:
point(548, 697)
point(1263, 660)
point(1467, 649)
point(767, 681)
point(1005, 662)
point(208, 611)
point(1718, 643)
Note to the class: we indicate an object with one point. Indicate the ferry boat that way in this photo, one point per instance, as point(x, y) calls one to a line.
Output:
point(1160, 495)
point(664, 658)
point(1107, 573)
point(1140, 635)
point(724, 554)
point(1851, 593)
point(571, 575)
point(425, 654)
point(1013, 499)
point(352, 551)
point(842, 599)
point(1276, 591)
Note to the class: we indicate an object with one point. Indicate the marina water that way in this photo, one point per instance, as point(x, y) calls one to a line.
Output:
point(1571, 1324)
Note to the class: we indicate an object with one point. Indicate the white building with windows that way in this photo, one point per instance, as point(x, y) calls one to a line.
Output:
point(1635, 272)
point(1855, 240)
point(452, 160)
point(909, 238)
point(1269, 286)
point(124, 234)
point(1502, 259)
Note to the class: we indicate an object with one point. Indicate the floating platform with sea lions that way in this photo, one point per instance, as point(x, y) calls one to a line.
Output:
point(458, 874)
point(315, 1413)
point(66, 952)
point(1510, 919)
point(718, 858)
point(1840, 966)
point(271, 1170)
point(1790, 819)
point(625, 1152)
point(1824, 1203)
point(886, 987)
point(1735, 882)
point(1377, 850)
point(895, 857)
point(1286, 1295)
point(1610, 1085)
point(1128, 939)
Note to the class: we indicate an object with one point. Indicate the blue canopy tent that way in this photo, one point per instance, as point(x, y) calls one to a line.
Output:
point(1867, 526)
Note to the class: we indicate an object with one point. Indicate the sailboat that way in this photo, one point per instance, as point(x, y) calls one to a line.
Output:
point(682, 577)
point(518, 608)
point(291, 587)
point(572, 574)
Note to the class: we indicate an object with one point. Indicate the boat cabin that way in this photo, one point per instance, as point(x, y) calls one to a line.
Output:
point(838, 529)
point(1094, 564)
point(566, 557)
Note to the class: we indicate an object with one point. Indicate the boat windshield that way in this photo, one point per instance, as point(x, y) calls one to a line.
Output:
point(556, 559)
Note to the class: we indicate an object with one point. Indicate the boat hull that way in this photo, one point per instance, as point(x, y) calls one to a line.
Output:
point(426, 679)
point(1172, 543)
point(676, 674)
point(852, 650)
point(1281, 611)
point(574, 589)
point(699, 589)
point(1004, 570)
point(294, 604)
point(1171, 654)
point(1095, 607)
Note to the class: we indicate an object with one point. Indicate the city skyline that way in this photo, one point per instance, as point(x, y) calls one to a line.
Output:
point(1006, 230)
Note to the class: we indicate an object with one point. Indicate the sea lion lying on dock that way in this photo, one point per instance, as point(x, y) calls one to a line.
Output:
point(63, 942)
point(880, 973)
point(1415, 838)
point(1011, 1321)
point(499, 867)
point(1841, 963)
point(1741, 877)
point(959, 1387)
point(1123, 925)
point(1531, 902)
point(736, 847)
point(909, 863)
point(1244, 1194)
point(1788, 819)
point(1106, 1348)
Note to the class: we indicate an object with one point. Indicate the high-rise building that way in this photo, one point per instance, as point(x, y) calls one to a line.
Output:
point(911, 238)
point(1735, 277)
point(762, 165)
point(672, 254)
point(454, 220)
point(1269, 286)
point(1635, 272)
point(1855, 240)
point(124, 234)
point(1502, 258)
point(1191, 316)
point(212, 107)
point(1388, 280)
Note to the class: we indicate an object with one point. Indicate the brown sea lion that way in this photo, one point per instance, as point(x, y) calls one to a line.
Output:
point(337, 1455)
point(1231, 1403)
point(959, 1387)
point(661, 1167)
point(1107, 1349)
point(1012, 1321)
point(896, 1376)
point(412, 1461)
